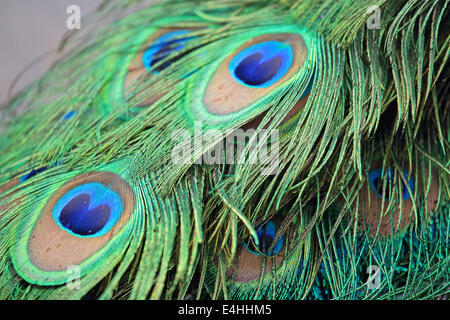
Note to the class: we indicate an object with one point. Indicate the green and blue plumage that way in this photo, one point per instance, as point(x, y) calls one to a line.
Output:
point(360, 176)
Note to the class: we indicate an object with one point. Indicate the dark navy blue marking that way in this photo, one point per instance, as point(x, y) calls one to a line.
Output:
point(376, 182)
point(262, 64)
point(89, 210)
point(32, 173)
point(69, 115)
point(162, 48)
point(78, 218)
point(266, 236)
point(254, 72)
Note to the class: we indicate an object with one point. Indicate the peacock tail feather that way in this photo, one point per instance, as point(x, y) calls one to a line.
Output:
point(233, 150)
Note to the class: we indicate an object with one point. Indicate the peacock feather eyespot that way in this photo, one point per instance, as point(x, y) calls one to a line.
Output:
point(376, 183)
point(156, 51)
point(262, 64)
point(77, 224)
point(384, 217)
point(266, 236)
point(162, 48)
point(256, 267)
point(257, 67)
point(89, 210)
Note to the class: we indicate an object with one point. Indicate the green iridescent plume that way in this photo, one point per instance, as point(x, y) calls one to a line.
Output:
point(233, 150)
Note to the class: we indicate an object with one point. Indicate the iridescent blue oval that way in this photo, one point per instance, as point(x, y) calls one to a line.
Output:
point(263, 64)
point(163, 47)
point(88, 210)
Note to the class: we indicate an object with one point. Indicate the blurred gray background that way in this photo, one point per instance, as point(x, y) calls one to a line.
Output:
point(28, 30)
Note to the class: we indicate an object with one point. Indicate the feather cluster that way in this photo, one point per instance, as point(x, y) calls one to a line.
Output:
point(373, 98)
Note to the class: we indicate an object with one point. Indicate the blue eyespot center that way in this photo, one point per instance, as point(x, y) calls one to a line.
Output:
point(162, 48)
point(376, 182)
point(254, 72)
point(77, 217)
point(266, 236)
point(88, 210)
point(262, 64)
